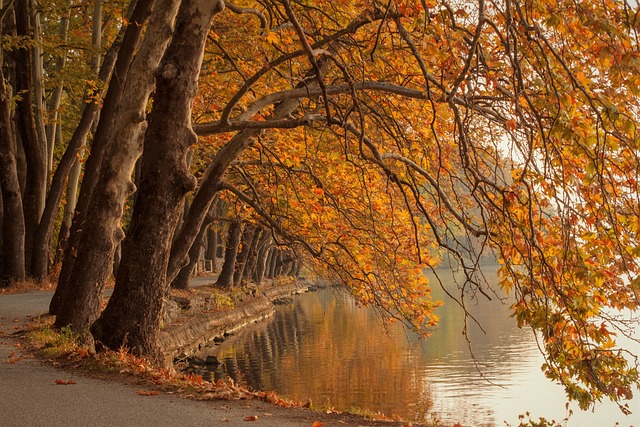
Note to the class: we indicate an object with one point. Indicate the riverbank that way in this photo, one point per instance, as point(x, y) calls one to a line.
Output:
point(45, 391)
point(200, 316)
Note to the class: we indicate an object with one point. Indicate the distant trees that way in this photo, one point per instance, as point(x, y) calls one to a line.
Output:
point(369, 139)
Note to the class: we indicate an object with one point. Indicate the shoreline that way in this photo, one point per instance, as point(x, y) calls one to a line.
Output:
point(189, 332)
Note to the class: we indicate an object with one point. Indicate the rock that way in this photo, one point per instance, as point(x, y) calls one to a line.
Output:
point(211, 361)
point(172, 311)
point(283, 301)
point(196, 361)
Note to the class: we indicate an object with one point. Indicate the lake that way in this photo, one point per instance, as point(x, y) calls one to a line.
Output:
point(326, 348)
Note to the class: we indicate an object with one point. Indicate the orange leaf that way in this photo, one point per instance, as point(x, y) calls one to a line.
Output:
point(63, 382)
point(317, 424)
point(147, 393)
point(251, 418)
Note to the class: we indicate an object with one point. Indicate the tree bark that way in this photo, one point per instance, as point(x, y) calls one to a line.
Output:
point(263, 256)
point(225, 279)
point(56, 97)
point(140, 11)
point(248, 235)
point(69, 208)
point(13, 232)
point(250, 263)
point(212, 247)
point(39, 108)
point(101, 235)
point(35, 152)
point(182, 279)
point(133, 314)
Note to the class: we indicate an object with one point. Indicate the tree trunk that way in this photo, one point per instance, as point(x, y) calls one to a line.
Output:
point(213, 236)
point(140, 11)
point(273, 265)
point(56, 97)
point(250, 264)
point(69, 209)
point(35, 152)
point(13, 251)
point(263, 256)
point(42, 239)
point(101, 235)
point(133, 314)
point(38, 89)
point(248, 235)
point(225, 279)
point(182, 280)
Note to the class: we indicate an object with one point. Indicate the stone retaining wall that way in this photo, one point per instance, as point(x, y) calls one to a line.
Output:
point(185, 337)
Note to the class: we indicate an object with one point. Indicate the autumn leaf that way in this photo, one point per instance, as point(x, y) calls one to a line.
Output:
point(251, 418)
point(65, 382)
point(147, 393)
point(317, 424)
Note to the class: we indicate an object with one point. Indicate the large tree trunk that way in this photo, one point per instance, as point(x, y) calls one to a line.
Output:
point(133, 314)
point(36, 184)
point(102, 233)
point(125, 53)
point(12, 216)
point(225, 279)
point(42, 241)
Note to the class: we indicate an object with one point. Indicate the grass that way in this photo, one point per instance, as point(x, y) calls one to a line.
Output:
point(62, 348)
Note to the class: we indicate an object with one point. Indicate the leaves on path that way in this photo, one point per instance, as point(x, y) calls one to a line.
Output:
point(251, 418)
point(65, 382)
point(148, 393)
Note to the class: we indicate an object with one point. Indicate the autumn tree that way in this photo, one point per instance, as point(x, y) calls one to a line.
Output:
point(376, 137)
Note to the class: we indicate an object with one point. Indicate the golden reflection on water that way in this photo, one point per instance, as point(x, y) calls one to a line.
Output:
point(326, 348)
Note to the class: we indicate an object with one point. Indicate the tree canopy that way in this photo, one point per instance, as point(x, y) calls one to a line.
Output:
point(371, 139)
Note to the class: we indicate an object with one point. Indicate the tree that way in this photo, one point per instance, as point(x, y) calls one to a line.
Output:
point(377, 138)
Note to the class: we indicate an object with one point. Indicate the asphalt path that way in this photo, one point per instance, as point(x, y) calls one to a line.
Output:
point(30, 395)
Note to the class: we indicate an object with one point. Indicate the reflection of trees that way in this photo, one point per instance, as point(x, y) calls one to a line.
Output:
point(326, 348)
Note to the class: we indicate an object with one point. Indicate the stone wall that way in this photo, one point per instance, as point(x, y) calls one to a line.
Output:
point(186, 335)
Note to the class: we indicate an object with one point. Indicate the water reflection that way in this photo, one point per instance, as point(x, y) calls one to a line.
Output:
point(326, 348)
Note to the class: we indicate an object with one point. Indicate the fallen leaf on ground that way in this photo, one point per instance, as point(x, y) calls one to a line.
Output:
point(65, 382)
point(251, 418)
point(317, 424)
point(224, 420)
point(147, 393)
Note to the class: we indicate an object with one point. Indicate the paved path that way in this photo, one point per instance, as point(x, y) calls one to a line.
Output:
point(29, 395)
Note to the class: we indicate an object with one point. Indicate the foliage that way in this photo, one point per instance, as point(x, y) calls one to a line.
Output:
point(458, 126)
point(526, 421)
point(383, 137)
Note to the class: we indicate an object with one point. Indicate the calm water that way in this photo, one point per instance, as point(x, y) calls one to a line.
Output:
point(326, 348)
